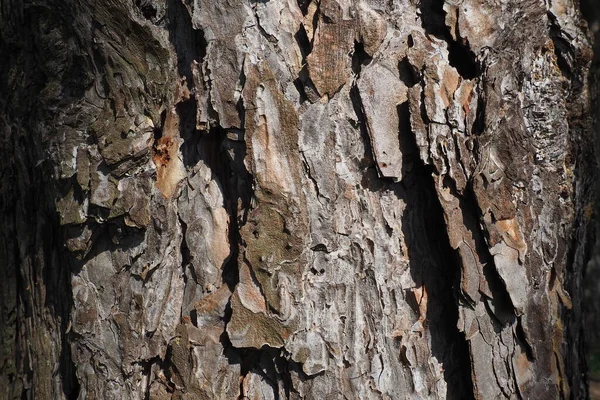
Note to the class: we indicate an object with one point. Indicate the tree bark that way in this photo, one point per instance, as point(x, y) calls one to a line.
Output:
point(272, 199)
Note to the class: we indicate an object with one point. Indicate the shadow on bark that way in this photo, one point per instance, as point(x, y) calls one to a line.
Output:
point(590, 10)
point(189, 43)
point(460, 55)
point(435, 267)
point(433, 263)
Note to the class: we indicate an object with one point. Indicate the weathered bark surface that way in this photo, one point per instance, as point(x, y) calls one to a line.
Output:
point(312, 199)
point(591, 11)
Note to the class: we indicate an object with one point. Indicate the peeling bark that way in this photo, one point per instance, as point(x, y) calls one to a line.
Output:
point(281, 199)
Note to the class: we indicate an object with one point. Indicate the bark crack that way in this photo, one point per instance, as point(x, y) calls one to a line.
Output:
point(448, 343)
point(460, 56)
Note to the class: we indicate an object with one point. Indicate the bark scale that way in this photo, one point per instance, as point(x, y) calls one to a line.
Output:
point(281, 199)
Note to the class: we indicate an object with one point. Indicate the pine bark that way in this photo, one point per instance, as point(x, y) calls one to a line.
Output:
point(271, 199)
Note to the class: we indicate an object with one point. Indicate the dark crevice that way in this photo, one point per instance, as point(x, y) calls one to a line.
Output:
point(301, 91)
point(305, 86)
point(241, 110)
point(463, 59)
point(225, 158)
point(581, 281)
point(309, 174)
point(373, 179)
point(147, 371)
point(425, 223)
point(425, 227)
point(370, 179)
point(562, 47)
point(305, 49)
point(239, 193)
point(57, 282)
point(98, 62)
point(25, 301)
point(448, 342)
point(146, 8)
point(523, 342)
point(186, 257)
point(426, 120)
point(409, 75)
point(360, 58)
point(303, 5)
point(68, 369)
point(304, 44)
point(223, 151)
point(270, 38)
point(479, 123)
point(283, 367)
point(273, 367)
point(189, 43)
point(407, 141)
point(325, 18)
point(303, 83)
point(320, 247)
point(192, 138)
point(460, 56)
point(433, 18)
point(169, 368)
point(158, 131)
point(504, 310)
point(315, 19)
point(261, 362)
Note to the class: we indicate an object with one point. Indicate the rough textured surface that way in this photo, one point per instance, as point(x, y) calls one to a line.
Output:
point(591, 301)
point(281, 199)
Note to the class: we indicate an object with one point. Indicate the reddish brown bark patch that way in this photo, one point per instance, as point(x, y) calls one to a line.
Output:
point(169, 168)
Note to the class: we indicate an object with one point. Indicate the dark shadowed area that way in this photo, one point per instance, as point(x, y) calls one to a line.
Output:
point(591, 12)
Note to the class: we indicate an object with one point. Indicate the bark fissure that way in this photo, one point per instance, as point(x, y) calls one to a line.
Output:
point(562, 47)
point(448, 343)
point(188, 41)
point(460, 56)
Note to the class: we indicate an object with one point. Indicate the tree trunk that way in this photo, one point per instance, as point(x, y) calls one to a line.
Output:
point(276, 199)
